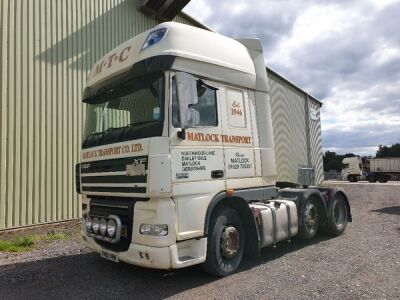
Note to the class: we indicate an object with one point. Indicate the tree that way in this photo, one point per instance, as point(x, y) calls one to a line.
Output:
point(388, 151)
point(333, 161)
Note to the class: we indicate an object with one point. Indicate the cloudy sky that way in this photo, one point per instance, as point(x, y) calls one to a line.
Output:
point(344, 52)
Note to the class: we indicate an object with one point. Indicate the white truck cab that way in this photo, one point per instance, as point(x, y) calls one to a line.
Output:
point(352, 168)
point(178, 160)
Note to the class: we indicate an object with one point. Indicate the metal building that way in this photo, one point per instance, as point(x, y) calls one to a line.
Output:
point(296, 121)
point(46, 52)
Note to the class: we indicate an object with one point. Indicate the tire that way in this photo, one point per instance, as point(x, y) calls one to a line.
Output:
point(225, 244)
point(310, 219)
point(371, 179)
point(383, 179)
point(352, 178)
point(338, 216)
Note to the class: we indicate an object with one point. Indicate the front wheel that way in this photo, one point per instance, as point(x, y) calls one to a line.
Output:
point(225, 244)
point(352, 178)
point(310, 219)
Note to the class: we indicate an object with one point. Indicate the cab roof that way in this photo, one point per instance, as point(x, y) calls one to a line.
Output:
point(193, 48)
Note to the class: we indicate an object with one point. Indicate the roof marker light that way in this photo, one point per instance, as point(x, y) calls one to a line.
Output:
point(154, 37)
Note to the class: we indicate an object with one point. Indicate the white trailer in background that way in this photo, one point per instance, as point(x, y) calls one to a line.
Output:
point(383, 169)
point(178, 156)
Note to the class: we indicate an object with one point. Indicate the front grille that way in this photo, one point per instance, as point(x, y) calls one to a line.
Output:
point(121, 207)
point(110, 176)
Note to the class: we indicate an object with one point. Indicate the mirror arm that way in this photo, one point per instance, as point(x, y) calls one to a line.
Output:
point(182, 134)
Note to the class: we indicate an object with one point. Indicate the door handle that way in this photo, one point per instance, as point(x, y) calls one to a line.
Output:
point(217, 174)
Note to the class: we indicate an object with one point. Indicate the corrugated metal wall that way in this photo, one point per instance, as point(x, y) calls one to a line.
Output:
point(47, 49)
point(297, 139)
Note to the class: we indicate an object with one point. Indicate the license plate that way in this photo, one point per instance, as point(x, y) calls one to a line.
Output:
point(109, 256)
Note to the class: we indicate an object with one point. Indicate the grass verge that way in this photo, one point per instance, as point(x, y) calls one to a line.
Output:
point(26, 243)
point(17, 244)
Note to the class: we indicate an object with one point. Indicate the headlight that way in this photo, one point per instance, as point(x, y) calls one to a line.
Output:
point(95, 225)
point(103, 226)
point(154, 229)
point(154, 37)
point(161, 230)
point(111, 228)
point(145, 229)
point(88, 223)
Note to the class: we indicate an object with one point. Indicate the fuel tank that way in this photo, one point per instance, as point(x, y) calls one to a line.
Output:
point(277, 220)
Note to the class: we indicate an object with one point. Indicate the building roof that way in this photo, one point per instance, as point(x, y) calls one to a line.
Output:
point(276, 74)
point(195, 21)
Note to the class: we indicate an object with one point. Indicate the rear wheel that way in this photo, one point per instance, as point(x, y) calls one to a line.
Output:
point(383, 179)
point(338, 217)
point(371, 179)
point(310, 217)
point(225, 244)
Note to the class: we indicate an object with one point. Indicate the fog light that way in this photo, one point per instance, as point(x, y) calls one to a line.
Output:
point(154, 229)
point(95, 225)
point(111, 228)
point(103, 226)
point(88, 224)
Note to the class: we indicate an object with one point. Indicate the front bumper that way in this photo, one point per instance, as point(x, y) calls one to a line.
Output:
point(177, 256)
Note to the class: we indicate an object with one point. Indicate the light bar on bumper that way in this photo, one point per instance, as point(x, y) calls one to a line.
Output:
point(107, 229)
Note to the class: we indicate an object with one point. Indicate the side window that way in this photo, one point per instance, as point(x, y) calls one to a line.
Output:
point(206, 106)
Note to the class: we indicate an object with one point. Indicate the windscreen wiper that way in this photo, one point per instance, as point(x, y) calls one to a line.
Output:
point(130, 125)
point(104, 133)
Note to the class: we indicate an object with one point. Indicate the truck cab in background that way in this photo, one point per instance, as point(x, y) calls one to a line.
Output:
point(352, 168)
point(375, 169)
point(178, 158)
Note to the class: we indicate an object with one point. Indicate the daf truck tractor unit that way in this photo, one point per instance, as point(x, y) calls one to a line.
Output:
point(375, 169)
point(352, 168)
point(178, 161)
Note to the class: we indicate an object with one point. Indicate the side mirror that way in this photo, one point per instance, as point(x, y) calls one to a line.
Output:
point(186, 88)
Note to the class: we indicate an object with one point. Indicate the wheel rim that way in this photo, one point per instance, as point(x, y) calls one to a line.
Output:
point(311, 217)
point(339, 214)
point(230, 241)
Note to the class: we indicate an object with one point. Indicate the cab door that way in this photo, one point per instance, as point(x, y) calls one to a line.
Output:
point(197, 161)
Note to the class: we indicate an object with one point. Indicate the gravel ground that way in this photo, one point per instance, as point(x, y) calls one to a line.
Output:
point(44, 250)
point(364, 263)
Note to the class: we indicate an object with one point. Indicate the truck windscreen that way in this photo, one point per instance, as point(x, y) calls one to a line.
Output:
point(129, 111)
